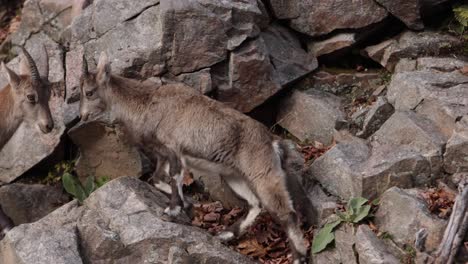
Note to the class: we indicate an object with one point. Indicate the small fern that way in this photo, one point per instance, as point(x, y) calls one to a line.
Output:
point(461, 14)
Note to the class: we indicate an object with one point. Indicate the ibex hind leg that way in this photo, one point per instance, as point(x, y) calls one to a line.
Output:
point(242, 189)
point(274, 196)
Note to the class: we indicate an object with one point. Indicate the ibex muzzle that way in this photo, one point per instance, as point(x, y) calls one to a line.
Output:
point(207, 136)
point(25, 98)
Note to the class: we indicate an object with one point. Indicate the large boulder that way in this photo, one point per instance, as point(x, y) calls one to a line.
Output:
point(372, 250)
point(411, 44)
point(261, 67)
point(398, 206)
point(122, 222)
point(310, 115)
point(414, 131)
point(456, 150)
point(104, 151)
point(318, 18)
point(26, 203)
point(353, 168)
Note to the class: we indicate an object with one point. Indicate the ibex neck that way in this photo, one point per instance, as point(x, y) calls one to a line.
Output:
point(128, 100)
point(9, 121)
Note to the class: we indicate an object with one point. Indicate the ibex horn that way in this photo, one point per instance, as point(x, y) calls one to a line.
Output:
point(84, 68)
point(45, 72)
point(32, 66)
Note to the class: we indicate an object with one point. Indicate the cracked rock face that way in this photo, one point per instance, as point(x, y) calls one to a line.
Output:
point(321, 17)
point(122, 222)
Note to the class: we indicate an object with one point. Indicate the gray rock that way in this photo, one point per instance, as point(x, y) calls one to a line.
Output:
point(310, 115)
point(335, 43)
point(314, 18)
point(28, 146)
point(26, 203)
point(406, 11)
point(378, 113)
point(440, 64)
point(456, 150)
point(50, 17)
point(224, 27)
point(200, 80)
point(341, 83)
point(402, 214)
point(411, 45)
point(372, 250)
point(129, 228)
point(352, 169)
point(53, 239)
point(323, 205)
point(122, 222)
point(104, 151)
point(407, 89)
point(416, 132)
point(343, 252)
point(138, 53)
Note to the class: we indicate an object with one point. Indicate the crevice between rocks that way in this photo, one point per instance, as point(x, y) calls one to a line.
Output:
point(141, 12)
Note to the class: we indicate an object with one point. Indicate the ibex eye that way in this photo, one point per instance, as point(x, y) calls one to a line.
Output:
point(31, 98)
point(89, 94)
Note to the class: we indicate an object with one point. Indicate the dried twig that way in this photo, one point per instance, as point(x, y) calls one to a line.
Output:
point(455, 231)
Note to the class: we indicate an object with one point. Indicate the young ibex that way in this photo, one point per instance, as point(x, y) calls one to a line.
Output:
point(24, 99)
point(207, 136)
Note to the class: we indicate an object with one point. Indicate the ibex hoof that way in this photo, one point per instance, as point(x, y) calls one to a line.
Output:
point(226, 236)
point(301, 260)
point(173, 211)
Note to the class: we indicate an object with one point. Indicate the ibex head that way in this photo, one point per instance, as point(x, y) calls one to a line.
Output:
point(31, 92)
point(92, 87)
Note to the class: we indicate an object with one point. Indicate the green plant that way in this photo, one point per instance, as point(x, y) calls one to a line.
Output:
point(356, 211)
point(59, 169)
point(74, 187)
point(459, 23)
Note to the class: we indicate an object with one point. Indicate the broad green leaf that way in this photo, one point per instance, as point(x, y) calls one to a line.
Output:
point(73, 187)
point(324, 237)
point(100, 181)
point(89, 186)
point(355, 203)
point(344, 216)
point(375, 202)
point(362, 213)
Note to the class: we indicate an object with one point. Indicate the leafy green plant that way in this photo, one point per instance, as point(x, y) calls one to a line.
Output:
point(459, 23)
point(357, 210)
point(58, 170)
point(74, 187)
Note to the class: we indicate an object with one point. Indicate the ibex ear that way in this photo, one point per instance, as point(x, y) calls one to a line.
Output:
point(103, 69)
point(13, 79)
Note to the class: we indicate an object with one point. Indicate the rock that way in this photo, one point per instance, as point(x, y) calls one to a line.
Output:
point(99, 27)
point(26, 203)
point(28, 146)
point(313, 18)
point(378, 113)
point(335, 43)
point(456, 150)
point(372, 250)
point(407, 11)
point(224, 26)
point(399, 206)
point(352, 169)
point(50, 17)
point(53, 239)
point(410, 129)
point(411, 45)
point(218, 190)
point(104, 151)
point(440, 64)
point(261, 67)
point(310, 115)
point(323, 205)
point(343, 252)
point(123, 222)
point(341, 83)
point(200, 80)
